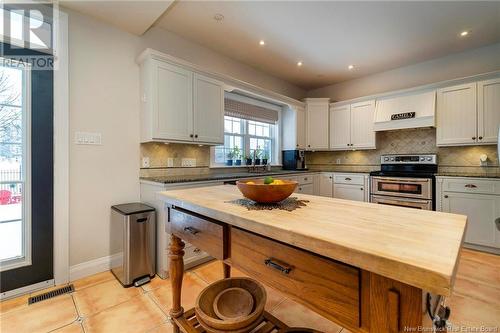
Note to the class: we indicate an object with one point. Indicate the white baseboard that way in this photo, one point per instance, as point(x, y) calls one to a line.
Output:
point(94, 266)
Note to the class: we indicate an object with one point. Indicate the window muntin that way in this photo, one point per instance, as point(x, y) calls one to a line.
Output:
point(248, 136)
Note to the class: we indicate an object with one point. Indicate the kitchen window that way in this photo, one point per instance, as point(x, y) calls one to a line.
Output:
point(250, 131)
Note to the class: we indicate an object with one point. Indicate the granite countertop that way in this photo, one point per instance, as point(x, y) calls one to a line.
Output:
point(467, 174)
point(222, 176)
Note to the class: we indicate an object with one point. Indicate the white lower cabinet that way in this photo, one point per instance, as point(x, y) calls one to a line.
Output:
point(349, 192)
point(326, 184)
point(346, 186)
point(305, 189)
point(482, 210)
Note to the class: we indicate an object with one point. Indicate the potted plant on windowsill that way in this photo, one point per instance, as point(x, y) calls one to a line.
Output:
point(258, 153)
point(248, 160)
point(237, 156)
point(265, 158)
point(230, 156)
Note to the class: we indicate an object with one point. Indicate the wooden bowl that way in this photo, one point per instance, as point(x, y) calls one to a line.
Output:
point(300, 330)
point(204, 308)
point(233, 303)
point(264, 193)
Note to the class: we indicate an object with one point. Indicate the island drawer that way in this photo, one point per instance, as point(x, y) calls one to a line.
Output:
point(201, 233)
point(326, 286)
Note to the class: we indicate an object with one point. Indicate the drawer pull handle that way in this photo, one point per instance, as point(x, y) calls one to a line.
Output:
point(446, 196)
point(197, 250)
point(278, 265)
point(347, 178)
point(470, 186)
point(191, 230)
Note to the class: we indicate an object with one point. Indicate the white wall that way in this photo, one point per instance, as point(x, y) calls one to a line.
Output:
point(481, 60)
point(104, 97)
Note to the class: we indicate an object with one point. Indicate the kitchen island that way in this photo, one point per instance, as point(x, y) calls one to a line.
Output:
point(365, 266)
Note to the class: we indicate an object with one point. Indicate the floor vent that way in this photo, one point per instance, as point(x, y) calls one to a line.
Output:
point(51, 294)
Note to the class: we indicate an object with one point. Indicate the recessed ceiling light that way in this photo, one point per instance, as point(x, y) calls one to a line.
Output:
point(464, 33)
point(350, 67)
point(299, 63)
point(219, 17)
point(262, 42)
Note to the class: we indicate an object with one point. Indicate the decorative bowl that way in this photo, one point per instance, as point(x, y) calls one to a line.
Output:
point(266, 193)
point(205, 313)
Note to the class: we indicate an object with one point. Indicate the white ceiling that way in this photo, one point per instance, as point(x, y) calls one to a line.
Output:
point(328, 36)
point(135, 17)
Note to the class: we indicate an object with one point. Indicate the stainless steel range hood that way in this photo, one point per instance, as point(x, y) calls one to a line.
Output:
point(406, 111)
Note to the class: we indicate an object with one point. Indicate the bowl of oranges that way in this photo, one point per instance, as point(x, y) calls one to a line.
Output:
point(267, 190)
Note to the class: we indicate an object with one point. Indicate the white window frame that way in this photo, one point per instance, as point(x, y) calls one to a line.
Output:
point(24, 260)
point(275, 143)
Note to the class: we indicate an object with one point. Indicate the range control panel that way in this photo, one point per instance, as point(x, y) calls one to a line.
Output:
point(409, 159)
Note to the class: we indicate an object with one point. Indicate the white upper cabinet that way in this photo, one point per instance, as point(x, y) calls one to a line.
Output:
point(488, 110)
point(362, 133)
point(351, 126)
point(294, 128)
point(317, 110)
point(340, 127)
point(172, 102)
point(180, 105)
point(457, 115)
point(208, 110)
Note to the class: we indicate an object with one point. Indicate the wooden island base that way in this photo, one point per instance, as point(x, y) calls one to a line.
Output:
point(356, 299)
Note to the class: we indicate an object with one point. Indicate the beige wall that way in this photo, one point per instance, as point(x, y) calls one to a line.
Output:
point(477, 61)
point(177, 46)
point(104, 97)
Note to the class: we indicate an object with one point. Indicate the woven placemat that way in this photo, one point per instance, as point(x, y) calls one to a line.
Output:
point(289, 204)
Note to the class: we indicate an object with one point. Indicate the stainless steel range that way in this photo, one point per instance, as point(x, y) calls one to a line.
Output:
point(405, 180)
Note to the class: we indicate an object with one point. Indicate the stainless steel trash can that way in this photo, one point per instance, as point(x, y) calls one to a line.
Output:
point(133, 234)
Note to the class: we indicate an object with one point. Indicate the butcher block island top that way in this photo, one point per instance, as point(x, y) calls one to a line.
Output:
point(419, 248)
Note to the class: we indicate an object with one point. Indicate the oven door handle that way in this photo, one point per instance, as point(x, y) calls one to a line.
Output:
point(402, 180)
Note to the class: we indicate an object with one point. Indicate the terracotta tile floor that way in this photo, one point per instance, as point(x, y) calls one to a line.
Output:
point(100, 304)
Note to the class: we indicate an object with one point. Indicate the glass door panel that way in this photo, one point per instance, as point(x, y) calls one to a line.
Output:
point(15, 249)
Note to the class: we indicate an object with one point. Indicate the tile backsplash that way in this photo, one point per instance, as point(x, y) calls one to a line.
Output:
point(451, 159)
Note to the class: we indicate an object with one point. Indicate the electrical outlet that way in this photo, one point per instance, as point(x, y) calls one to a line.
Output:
point(170, 162)
point(188, 162)
point(145, 162)
point(87, 138)
point(338, 160)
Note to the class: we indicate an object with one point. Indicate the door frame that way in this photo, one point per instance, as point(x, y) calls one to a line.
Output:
point(61, 155)
point(61, 167)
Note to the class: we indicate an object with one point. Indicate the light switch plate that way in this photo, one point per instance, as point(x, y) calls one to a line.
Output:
point(88, 138)
point(188, 162)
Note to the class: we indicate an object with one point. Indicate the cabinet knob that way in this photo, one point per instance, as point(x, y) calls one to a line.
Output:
point(196, 135)
point(191, 135)
point(197, 250)
point(446, 196)
point(361, 189)
point(473, 138)
point(309, 145)
point(480, 138)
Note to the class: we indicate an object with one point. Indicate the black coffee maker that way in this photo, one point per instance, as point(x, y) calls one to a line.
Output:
point(294, 159)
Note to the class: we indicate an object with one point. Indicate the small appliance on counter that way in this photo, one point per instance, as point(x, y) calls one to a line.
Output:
point(294, 159)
